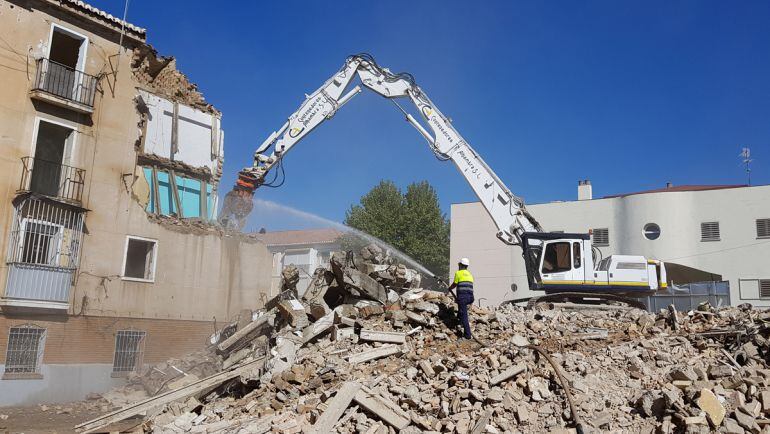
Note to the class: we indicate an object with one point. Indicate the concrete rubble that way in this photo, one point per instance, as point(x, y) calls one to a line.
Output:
point(368, 352)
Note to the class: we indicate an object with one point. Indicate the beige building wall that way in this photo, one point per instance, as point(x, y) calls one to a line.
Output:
point(740, 256)
point(202, 276)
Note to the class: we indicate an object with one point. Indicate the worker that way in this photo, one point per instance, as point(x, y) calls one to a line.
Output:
point(464, 283)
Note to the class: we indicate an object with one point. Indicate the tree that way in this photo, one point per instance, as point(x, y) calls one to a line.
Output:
point(411, 222)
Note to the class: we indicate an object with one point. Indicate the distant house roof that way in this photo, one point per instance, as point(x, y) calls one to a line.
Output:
point(300, 237)
point(96, 12)
point(675, 188)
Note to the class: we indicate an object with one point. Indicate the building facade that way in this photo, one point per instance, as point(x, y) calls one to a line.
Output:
point(723, 231)
point(110, 161)
point(306, 249)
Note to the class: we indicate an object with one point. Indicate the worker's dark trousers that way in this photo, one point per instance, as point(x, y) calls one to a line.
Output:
point(464, 299)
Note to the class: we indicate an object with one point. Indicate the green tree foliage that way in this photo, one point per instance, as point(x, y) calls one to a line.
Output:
point(412, 222)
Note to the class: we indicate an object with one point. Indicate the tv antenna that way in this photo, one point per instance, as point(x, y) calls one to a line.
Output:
point(746, 155)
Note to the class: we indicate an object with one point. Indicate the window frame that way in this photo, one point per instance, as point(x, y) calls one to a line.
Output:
point(556, 269)
point(718, 231)
point(647, 229)
point(577, 257)
point(40, 350)
point(125, 259)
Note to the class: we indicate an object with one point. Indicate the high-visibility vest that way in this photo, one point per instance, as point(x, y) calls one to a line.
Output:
point(464, 280)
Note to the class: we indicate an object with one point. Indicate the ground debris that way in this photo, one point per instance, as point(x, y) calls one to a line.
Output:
point(345, 358)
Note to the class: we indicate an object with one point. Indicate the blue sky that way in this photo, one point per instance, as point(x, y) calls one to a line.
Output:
point(628, 94)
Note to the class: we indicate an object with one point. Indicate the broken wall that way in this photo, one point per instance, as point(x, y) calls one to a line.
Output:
point(199, 142)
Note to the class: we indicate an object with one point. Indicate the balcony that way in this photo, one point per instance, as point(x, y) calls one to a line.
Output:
point(64, 86)
point(51, 179)
point(43, 253)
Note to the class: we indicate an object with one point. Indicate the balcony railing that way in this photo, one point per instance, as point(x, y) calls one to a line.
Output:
point(52, 179)
point(64, 82)
point(43, 253)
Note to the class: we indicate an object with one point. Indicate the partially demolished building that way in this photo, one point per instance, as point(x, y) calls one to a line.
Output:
point(109, 170)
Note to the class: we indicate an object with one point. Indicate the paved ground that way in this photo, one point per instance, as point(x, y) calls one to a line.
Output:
point(46, 419)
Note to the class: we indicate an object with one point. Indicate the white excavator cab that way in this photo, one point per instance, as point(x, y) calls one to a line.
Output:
point(559, 262)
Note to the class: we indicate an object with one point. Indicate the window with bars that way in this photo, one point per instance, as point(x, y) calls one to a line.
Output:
point(601, 237)
point(763, 228)
point(25, 350)
point(129, 351)
point(764, 288)
point(709, 231)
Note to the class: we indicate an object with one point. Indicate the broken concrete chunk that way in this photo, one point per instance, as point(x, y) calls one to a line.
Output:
point(294, 313)
point(335, 408)
point(508, 374)
point(319, 327)
point(709, 403)
point(383, 408)
point(376, 353)
point(382, 336)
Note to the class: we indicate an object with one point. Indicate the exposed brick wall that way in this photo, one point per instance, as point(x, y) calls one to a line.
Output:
point(90, 339)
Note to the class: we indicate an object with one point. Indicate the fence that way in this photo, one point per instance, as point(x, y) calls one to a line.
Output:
point(688, 297)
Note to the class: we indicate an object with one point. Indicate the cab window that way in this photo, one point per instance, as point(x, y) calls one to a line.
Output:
point(556, 258)
point(576, 255)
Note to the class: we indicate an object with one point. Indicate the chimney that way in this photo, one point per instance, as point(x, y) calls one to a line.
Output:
point(669, 185)
point(584, 190)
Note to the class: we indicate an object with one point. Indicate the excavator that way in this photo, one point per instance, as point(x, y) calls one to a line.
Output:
point(565, 266)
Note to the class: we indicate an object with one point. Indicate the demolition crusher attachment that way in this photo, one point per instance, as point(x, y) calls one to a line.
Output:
point(239, 202)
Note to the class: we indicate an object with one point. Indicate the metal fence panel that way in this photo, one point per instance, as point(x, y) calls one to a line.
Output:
point(688, 297)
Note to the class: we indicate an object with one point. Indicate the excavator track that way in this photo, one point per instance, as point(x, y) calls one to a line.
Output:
point(585, 298)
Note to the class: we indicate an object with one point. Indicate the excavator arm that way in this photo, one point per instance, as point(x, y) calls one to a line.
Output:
point(507, 210)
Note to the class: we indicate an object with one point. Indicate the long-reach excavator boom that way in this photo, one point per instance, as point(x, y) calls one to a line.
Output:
point(507, 210)
point(557, 263)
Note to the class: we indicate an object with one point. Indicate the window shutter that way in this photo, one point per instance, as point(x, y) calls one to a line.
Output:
point(764, 288)
point(763, 228)
point(601, 237)
point(709, 231)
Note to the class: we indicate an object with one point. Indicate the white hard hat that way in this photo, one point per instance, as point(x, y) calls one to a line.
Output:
point(465, 261)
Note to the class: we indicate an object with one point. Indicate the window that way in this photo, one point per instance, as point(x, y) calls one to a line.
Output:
point(709, 231)
point(25, 350)
point(651, 231)
point(764, 288)
point(41, 242)
point(185, 194)
point(576, 254)
point(129, 351)
point(601, 237)
point(66, 61)
point(53, 148)
point(139, 260)
point(763, 228)
point(557, 258)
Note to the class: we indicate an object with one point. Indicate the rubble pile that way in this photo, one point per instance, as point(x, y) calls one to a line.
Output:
point(366, 350)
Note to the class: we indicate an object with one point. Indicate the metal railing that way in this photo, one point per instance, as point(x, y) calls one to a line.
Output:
point(65, 82)
point(43, 250)
point(52, 179)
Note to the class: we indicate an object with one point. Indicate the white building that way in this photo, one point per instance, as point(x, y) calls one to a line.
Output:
point(307, 249)
point(719, 229)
